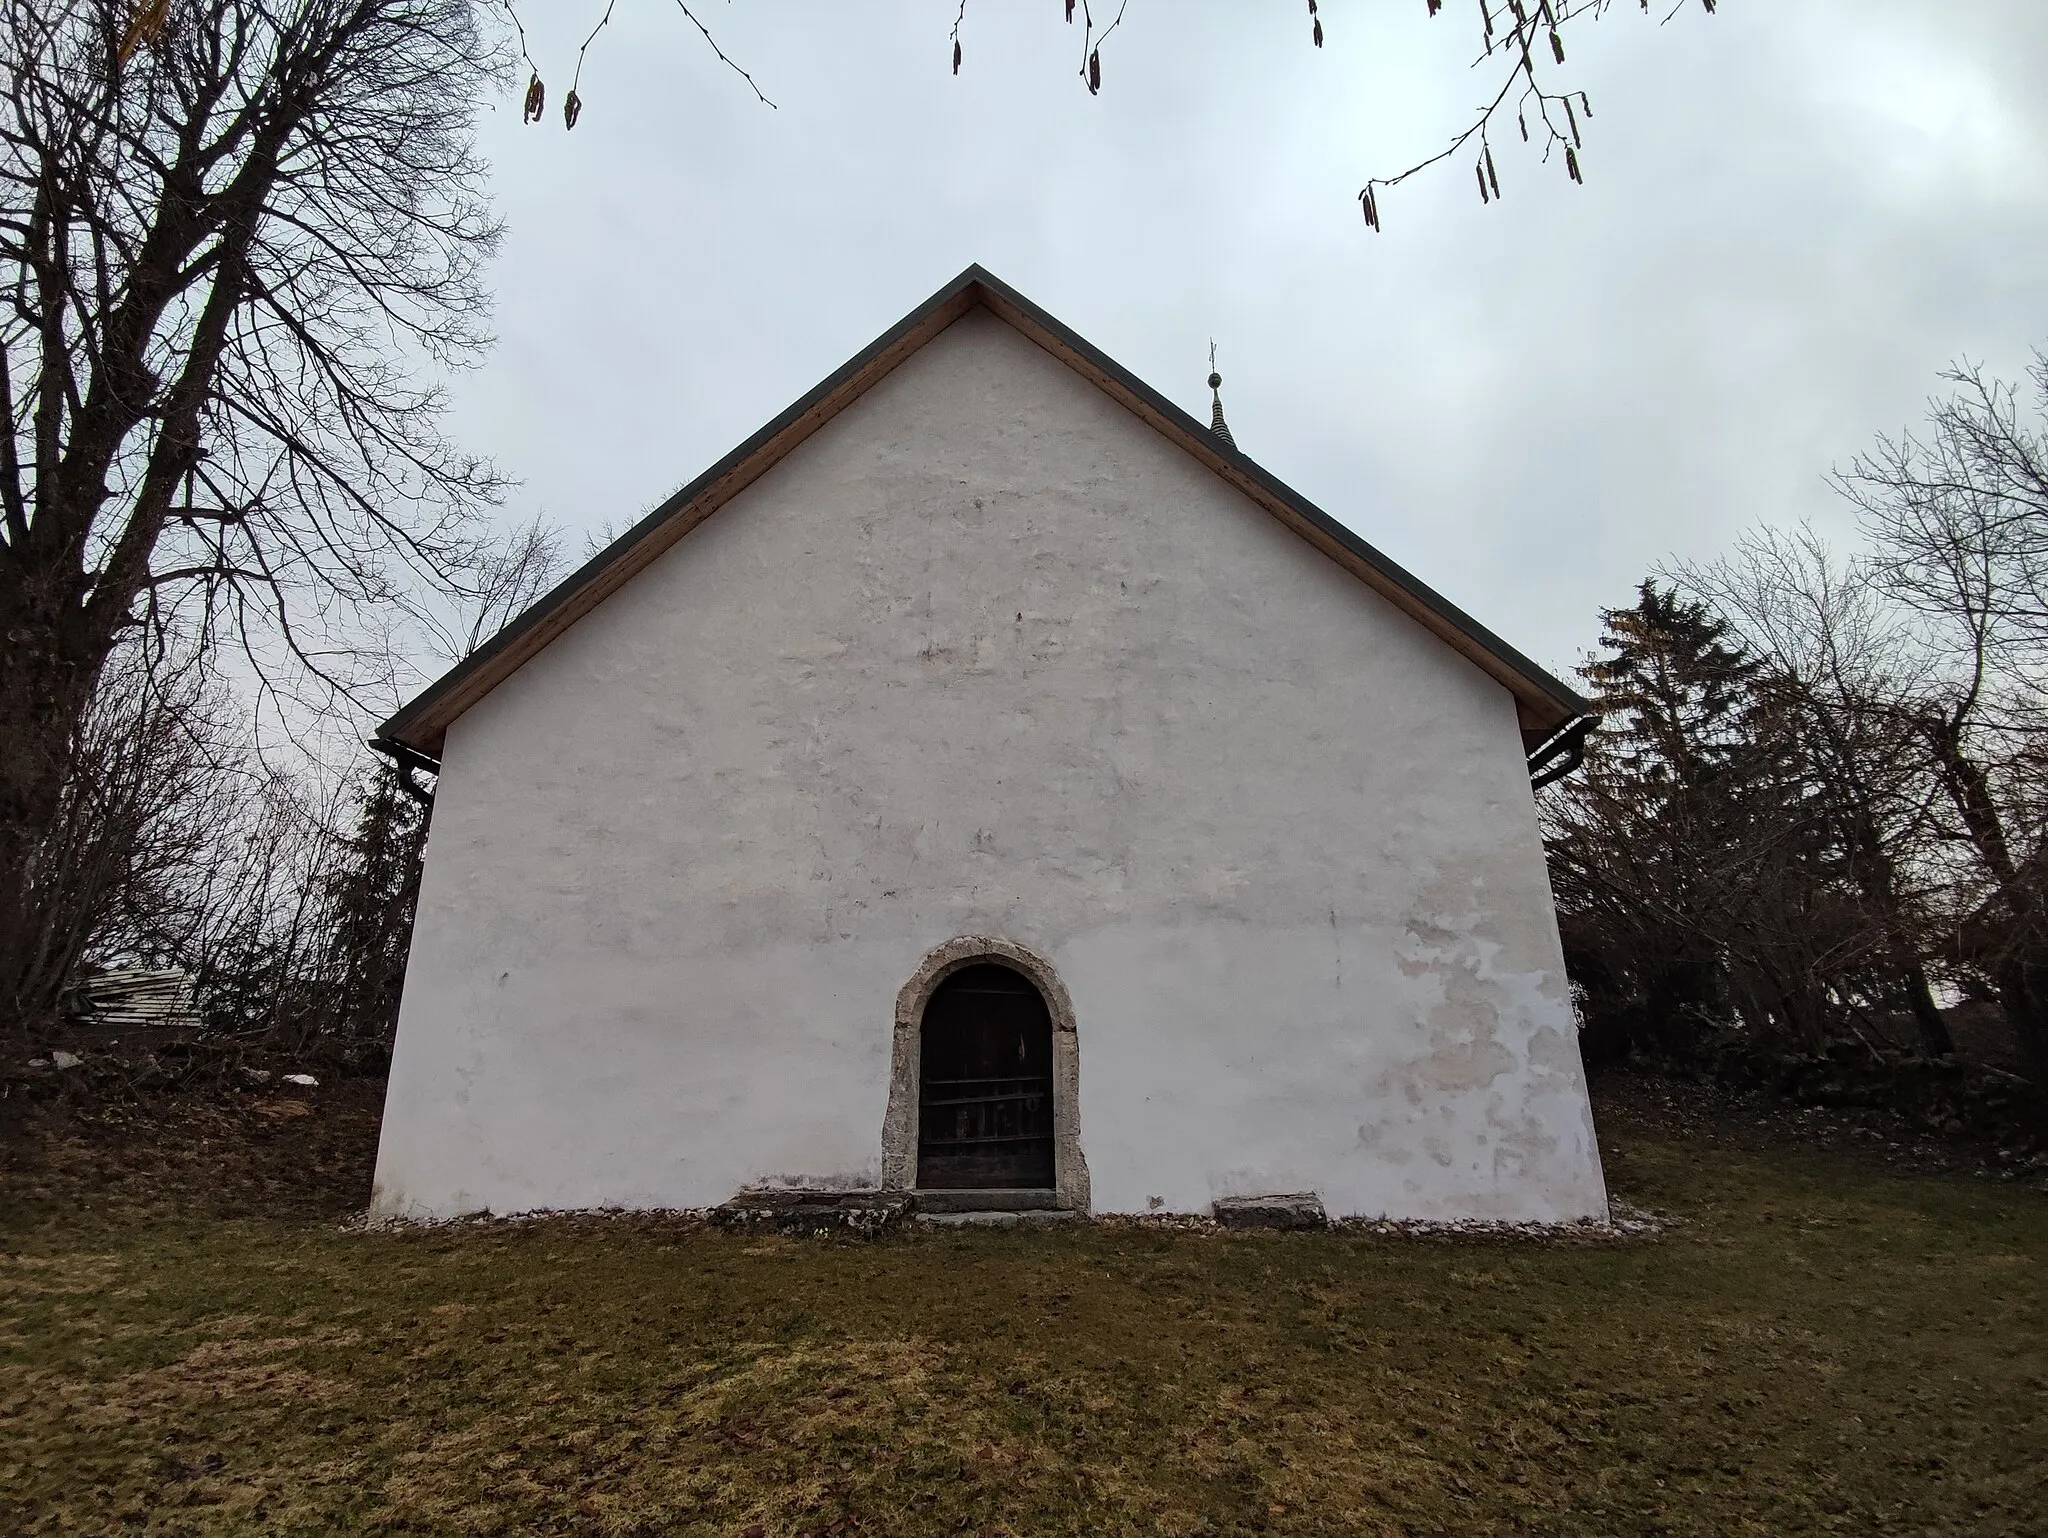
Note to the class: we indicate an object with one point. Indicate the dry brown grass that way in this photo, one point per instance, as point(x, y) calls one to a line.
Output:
point(1822, 1346)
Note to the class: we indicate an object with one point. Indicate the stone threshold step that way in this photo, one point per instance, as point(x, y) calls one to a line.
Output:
point(1030, 1218)
point(986, 1199)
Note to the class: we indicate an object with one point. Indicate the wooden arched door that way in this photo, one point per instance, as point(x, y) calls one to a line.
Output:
point(984, 1106)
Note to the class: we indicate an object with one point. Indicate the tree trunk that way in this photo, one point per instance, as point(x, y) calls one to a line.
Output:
point(1935, 1039)
point(1878, 877)
point(1677, 999)
point(46, 683)
point(2023, 995)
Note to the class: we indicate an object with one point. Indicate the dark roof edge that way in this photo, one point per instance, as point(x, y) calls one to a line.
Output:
point(530, 617)
point(957, 296)
point(1427, 596)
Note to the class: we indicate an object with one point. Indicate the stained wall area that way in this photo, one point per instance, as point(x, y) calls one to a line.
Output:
point(986, 656)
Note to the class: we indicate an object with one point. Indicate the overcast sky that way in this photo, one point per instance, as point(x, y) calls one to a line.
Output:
point(1795, 213)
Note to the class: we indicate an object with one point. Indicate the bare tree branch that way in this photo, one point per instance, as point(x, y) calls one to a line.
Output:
point(1529, 35)
point(239, 247)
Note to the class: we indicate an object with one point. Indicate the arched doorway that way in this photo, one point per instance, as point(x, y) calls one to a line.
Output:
point(985, 1083)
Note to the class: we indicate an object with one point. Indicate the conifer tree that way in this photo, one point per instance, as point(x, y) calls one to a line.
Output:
point(1637, 846)
point(371, 896)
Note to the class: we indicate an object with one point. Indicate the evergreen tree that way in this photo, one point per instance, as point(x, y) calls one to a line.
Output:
point(371, 895)
point(1711, 867)
point(1675, 694)
point(1639, 843)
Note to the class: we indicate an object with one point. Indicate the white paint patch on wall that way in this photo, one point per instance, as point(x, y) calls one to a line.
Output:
point(987, 655)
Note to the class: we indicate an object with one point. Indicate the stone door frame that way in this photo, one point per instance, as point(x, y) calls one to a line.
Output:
point(899, 1124)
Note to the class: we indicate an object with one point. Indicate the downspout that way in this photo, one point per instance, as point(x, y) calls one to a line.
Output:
point(1568, 744)
point(407, 760)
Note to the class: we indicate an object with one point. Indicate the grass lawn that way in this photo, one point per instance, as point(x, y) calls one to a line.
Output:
point(1820, 1346)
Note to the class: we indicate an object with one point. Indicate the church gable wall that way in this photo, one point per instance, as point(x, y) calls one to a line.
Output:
point(987, 656)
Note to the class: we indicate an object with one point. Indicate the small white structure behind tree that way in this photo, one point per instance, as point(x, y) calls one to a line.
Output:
point(989, 776)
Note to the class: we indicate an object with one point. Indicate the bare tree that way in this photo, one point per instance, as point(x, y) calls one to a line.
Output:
point(1739, 854)
point(240, 239)
point(138, 811)
point(1842, 667)
point(182, 845)
point(246, 912)
point(1959, 516)
point(1522, 42)
point(1958, 521)
point(503, 583)
point(1521, 47)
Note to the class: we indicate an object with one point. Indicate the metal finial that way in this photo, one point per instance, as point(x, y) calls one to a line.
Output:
point(1216, 423)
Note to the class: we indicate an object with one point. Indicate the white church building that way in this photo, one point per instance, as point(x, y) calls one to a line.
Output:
point(987, 779)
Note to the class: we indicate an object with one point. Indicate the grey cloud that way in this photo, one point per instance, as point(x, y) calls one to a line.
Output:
point(1793, 217)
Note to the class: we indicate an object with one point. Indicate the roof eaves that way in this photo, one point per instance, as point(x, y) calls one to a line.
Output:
point(422, 723)
point(1422, 601)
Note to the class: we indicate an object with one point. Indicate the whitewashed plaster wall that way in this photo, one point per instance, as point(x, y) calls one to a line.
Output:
point(989, 656)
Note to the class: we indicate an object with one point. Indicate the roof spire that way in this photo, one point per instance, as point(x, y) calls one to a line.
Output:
point(1217, 425)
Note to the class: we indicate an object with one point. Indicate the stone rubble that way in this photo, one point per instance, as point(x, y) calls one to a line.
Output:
point(1295, 1210)
point(873, 1214)
point(1623, 1222)
point(864, 1214)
